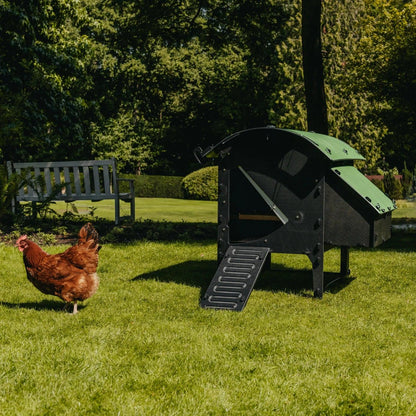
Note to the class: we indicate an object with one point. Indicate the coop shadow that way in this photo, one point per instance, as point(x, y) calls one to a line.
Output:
point(44, 305)
point(282, 279)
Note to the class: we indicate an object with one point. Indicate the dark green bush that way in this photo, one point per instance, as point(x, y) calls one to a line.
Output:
point(202, 184)
point(393, 187)
point(379, 183)
point(155, 186)
point(407, 181)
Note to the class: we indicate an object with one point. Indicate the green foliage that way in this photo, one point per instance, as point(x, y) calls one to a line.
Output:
point(129, 139)
point(193, 71)
point(288, 108)
point(8, 191)
point(43, 206)
point(407, 181)
point(392, 186)
point(202, 184)
point(385, 63)
point(149, 81)
point(380, 184)
point(43, 81)
point(155, 186)
point(348, 102)
point(158, 186)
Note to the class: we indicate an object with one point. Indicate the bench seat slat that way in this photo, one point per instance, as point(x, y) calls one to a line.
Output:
point(48, 181)
point(87, 181)
point(77, 181)
point(96, 176)
point(22, 189)
point(107, 189)
point(67, 181)
point(57, 176)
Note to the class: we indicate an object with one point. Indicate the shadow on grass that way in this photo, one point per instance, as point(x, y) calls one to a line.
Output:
point(200, 273)
point(44, 305)
point(399, 241)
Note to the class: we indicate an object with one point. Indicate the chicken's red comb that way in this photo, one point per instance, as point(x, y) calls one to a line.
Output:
point(22, 237)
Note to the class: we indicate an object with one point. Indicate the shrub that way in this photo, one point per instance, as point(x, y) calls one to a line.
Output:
point(407, 181)
point(379, 183)
point(9, 187)
point(155, 186)
point(202, 184)
point(392, 186)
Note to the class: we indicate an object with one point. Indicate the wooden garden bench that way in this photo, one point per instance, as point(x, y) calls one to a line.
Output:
point(70, 181)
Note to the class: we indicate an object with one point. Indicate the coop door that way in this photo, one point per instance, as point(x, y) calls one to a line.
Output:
point(253, 210)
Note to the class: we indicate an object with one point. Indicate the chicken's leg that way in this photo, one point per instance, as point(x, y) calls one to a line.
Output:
point(75, 308)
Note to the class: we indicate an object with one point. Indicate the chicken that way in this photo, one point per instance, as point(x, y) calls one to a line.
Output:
point(71, 275)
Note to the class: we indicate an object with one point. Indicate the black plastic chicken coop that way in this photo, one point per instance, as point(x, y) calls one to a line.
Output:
point(288, 191)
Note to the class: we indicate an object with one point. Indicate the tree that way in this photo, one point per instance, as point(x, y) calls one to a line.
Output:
point(391, 76)
point(349, 103)
point(194, 71)
point(313, 67)
point(43, 84)
point(127, 139)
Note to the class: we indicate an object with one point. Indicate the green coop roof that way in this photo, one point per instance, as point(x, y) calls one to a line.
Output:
point(331, 147)
point(334, 149)
point(365, 188)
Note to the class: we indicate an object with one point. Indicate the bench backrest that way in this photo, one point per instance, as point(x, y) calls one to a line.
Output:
point(69, 180)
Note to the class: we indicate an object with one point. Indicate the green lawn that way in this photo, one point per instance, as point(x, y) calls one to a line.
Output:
point(142, 345)
point(156, 209)
point(405, 209)
point(176, 210)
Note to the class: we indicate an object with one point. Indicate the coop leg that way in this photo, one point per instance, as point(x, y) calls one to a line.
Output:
point(268, 262)
point(117, 210)
point(345, 261)
point(318, 276)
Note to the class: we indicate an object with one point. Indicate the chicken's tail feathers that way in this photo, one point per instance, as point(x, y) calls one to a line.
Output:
point(88, 233)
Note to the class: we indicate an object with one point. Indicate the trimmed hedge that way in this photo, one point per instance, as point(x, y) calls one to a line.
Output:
point(155, 186)
point(202, 184)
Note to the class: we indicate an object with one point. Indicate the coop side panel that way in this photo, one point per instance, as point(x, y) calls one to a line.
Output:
point(346, 222)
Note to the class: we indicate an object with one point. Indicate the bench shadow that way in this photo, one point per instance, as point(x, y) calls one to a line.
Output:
point(200, 273)
point(44, 305)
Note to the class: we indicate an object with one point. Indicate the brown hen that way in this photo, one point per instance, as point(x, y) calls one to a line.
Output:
point(71, 275)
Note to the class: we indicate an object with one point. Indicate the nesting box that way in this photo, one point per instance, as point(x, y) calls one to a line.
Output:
point(288, 191)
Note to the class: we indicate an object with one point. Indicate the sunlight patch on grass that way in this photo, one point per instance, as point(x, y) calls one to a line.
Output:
point(155, 209)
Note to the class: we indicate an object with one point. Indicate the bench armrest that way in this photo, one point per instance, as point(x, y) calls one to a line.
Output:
point(131, 184)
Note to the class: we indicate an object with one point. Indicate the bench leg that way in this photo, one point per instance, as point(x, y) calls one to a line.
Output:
point(117, 210)
point(133, 209)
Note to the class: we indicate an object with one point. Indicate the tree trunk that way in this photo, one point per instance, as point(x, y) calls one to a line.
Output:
point(313, 71)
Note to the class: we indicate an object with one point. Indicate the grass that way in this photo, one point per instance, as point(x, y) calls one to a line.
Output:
point(177, 210)
point(405, 209)
point(155, 209)
point(142, 345)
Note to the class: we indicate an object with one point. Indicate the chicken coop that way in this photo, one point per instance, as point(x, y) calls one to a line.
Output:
point(288, 191)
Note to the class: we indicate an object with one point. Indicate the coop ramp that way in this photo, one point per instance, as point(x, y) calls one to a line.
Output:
point(235, 278)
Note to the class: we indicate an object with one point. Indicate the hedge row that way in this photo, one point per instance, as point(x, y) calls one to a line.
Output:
point(155, 186)
point(201, 184)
